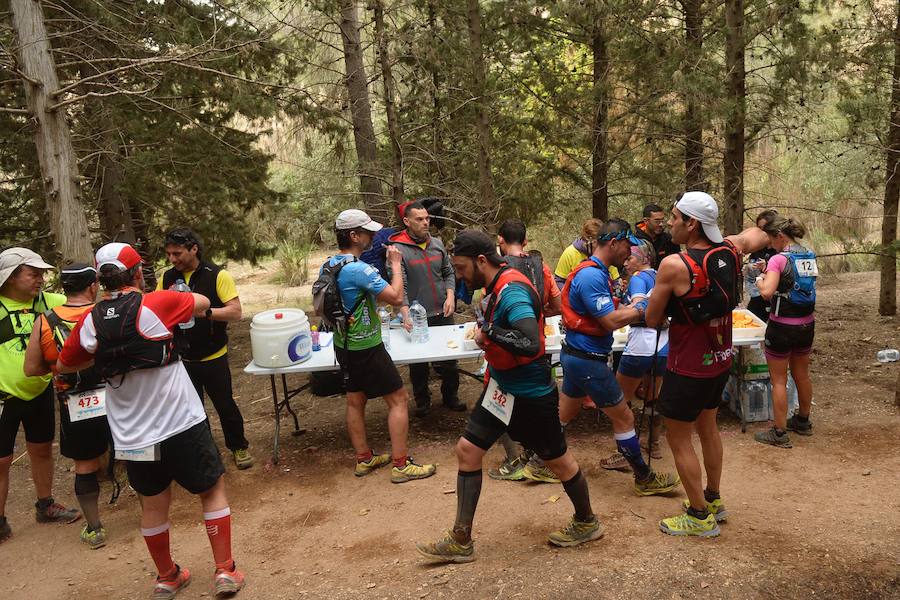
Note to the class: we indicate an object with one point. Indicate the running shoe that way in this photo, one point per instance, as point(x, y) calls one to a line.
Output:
point(56, 513)
point(686, 524)
point(656, 483)
point(716, 508)
point(577, 532)
point(536, 470)
point(773, 438)
point(797, 426)
point(447, 549)
point(95, 538)
point(242, 458)
point(615, 462)
point(167, 588)
point(228, 581)
point(5, 531)
point(412, 470)
point(367, 466)
point(510, 470)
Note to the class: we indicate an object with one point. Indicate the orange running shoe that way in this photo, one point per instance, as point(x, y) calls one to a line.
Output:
point(166, 588)
point(228, 581)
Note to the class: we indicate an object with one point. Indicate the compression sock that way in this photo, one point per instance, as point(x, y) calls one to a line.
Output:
point(630, 447)
point(87, 490)
point(468, 490)
point(710, 495)
point(577, 489)
point(157, 540)
point(365, 456)
point(218, 528)
point(509, 446)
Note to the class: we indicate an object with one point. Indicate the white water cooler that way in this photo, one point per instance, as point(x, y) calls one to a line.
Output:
point(280, 337)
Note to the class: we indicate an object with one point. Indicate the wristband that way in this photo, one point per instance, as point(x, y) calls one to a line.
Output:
point(209, 313)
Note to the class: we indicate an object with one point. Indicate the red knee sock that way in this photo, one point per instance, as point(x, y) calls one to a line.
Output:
point(157, 540)
point(218, 528)
point(365, 456)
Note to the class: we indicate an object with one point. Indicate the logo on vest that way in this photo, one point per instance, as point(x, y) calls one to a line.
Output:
point(111, 313)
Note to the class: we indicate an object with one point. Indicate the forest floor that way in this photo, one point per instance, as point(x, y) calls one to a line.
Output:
point(821, 520)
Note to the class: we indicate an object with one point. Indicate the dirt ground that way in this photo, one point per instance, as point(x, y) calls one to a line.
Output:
point(821, 520)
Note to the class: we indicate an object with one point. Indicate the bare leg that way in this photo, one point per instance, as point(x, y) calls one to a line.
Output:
point(679, 433)
point(41, 457)
point(711, 442)
point(398, 421)
point(800, 372)
point(778, 368)
point(356, 421)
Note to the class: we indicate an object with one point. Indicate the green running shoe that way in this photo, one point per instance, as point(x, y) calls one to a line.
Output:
point(716, 508)
point(656, 483)
point(577, 532)
point(689, 525)
point(536, 470)
point(365, 467)
point(511, 469)
point(447, 549)
point(773, 438)
point(242, 458)
point(94, 539)
point(411, 470)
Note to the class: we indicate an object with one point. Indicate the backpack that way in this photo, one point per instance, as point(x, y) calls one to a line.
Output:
point(715, 285)
point(799, 290)
point(8, 330)
point(327, 300)
point(86, 379)
point(531, 267)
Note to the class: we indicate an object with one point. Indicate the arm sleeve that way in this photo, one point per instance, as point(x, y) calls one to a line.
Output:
point(225, 287)
point(522, 337)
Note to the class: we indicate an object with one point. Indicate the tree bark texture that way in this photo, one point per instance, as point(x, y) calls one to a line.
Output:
point(736, 120)
point(361, 113)
point(693, 118)
point(887, 297)
point(600, 131)
point(483, 122)
point(437, 137)
point(52, 137)
point(390, 106)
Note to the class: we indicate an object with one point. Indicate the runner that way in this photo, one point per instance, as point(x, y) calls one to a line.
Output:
point(652, 227)
point(205, 354)
point(26, 400)
point(700, 351)
point(756, 265)
point(370, 370)
point(157, 419)
point(577, 251)
point(789, 284)
point(86, 439)
point(520, 397)
point(590, 315)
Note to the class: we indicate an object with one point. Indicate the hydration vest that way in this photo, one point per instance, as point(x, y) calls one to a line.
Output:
point(796, 294)
point(575, 321)
point(206, 337)
point(531, 267)
point(121, 348)
point(86, 379)
point(498, 357)
point(715, 284)
point(11, 326)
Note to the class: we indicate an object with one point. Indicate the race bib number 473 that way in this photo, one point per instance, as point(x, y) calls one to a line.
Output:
point(87, 405)
point(498, 402)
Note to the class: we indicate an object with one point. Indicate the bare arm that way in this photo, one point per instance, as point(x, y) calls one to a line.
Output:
point(554, 306)
point(231, 312)
point(768, 284)
point(394, 293)
point(201, 303)
point(669, 270)
point(63, 368)
point(622, 316)
point(34, 358)
point(749, 240)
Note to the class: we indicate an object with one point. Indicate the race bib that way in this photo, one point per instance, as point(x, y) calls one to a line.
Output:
point(148, 454)
point(807, 267)
point(498, 402)
point(87, 405)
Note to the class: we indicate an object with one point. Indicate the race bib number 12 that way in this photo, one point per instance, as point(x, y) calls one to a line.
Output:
point(498, 402)
point(807, 267)
point(87, 405)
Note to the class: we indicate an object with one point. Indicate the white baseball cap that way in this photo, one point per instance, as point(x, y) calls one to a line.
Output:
point(119, 254)
point(701, 206)
point(13, 258)
point(355, 218)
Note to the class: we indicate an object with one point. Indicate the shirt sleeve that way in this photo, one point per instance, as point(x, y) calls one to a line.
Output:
point(777, 263)
point(159, 286)
point(170, 307)
point(551, 289)
point(567, 262)
point(48, 344)
point(517, 304)
point(74, 351)
point(367, 278)
point(595, 293)
point(225, 287)
point(54, 300)
point(638, 287)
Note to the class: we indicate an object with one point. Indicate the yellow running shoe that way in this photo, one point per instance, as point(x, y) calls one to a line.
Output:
point(242, 458)
point(365, 467)
point(538, 471)
point(577, 532)
point(94, 539)
point(447, 549)
point(656, 483)
point(686, 524)
point(716, 508)
point(412, 470)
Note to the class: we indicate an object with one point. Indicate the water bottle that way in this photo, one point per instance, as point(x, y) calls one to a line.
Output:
point(384, 315)
point(888, 355)
point(314, 338)
point(181, 286)
point(419, 322)
point(757, 401)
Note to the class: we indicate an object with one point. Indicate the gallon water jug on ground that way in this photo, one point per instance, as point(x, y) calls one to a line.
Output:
point(419, 318)
point(280, 337)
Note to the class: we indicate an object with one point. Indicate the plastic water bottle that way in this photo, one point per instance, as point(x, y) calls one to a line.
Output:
point(757, 401)
point(419, 318)
point(181, 286)
point(888, 355)
point(314, 338)
point(384, 315)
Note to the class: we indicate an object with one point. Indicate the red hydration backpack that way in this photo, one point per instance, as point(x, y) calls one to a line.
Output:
point(715, 284)
point(574, 321)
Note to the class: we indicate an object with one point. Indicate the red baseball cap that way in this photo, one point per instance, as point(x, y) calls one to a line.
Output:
point(118, 254)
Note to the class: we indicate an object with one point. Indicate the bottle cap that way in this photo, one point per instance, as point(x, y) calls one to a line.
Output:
point(279, 315)
point(314, 328)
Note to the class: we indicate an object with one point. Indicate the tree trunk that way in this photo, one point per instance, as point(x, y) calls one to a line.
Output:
point(734, 128)
point(115, 209)
point(437, 138)
point(693, 118)
point(483, 123)
point(390, 107)
point(887, 297)
point(56, 155)
point(599, 134)
point(361, 113)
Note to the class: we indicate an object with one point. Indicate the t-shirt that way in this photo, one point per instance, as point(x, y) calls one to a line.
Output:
point(780, 264)
point(149, 405)
point(226, 290)
point(72, 314)
point(570, 258)
point(12, 353)
point(355, 278)
point(531, 380)
point(589, 294)
point(642, 339)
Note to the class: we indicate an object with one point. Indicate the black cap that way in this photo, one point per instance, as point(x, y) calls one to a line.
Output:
point(77, 276)
point(473, 243)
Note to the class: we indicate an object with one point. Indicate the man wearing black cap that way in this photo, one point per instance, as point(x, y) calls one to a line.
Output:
point(520, 398)
point(83, 430)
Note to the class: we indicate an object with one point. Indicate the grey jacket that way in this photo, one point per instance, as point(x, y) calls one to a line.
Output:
point(427, 274)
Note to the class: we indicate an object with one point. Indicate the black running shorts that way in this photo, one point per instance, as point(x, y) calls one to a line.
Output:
point(371, 371)
point(82, 440)
point(784, 341)
point(683, 398)
point(37, 416)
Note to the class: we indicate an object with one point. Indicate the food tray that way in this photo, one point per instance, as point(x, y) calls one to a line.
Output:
point(743, 334)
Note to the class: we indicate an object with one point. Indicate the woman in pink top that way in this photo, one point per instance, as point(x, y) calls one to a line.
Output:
point(788, 284)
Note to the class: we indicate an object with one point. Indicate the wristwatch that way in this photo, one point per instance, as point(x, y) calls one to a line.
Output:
point(209, 313)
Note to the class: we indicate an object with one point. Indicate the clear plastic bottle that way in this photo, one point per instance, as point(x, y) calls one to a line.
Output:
point(888, 355)
point(419, 317)
point(181, 286)
point(384, 315)
point(757, 400)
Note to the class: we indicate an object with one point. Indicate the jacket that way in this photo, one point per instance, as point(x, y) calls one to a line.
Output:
point(663, 245)
point(427, 273)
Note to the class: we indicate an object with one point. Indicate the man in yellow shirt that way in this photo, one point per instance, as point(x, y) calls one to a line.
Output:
point(205, 357)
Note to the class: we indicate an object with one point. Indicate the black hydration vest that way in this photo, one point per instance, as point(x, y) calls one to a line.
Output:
point(120, 346)
point(206, 336)
point(11, 327)
point(86, 379)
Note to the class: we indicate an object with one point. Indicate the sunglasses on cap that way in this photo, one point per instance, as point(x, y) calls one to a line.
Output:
point(623, 234)
point(180, 239)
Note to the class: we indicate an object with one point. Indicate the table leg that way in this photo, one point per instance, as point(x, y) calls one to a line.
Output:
point(287, 403)
point(742, 397)
point(277, 408)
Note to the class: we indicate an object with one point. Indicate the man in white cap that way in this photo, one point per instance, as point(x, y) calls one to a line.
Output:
point(155, 415)
point(26, 401)
point(698, 289)
point(369, 370)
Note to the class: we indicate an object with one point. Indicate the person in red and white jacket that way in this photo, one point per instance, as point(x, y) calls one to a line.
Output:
point(156, 418)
